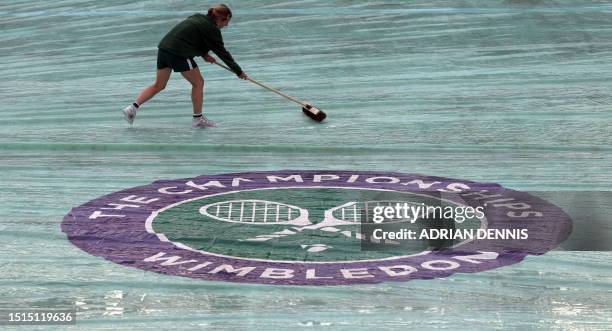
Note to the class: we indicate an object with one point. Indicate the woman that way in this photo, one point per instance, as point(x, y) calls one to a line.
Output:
point(195, 36)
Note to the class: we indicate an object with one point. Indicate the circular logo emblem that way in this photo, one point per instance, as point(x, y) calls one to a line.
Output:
point(309, 227)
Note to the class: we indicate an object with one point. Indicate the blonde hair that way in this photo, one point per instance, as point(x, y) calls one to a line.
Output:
point(219, 11)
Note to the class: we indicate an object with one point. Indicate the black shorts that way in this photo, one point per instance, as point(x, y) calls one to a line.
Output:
point(177, 63)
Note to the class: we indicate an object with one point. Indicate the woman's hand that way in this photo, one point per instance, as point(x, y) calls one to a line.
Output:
point(244, 76)
point(209, 58)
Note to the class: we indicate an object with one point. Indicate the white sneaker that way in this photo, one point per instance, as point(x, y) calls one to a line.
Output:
point(129, 113)
point(203, 122)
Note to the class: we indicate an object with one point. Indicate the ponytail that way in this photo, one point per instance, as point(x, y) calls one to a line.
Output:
point(220, 11)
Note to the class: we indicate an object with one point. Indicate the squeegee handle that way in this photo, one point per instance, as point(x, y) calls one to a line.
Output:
point(266, 87)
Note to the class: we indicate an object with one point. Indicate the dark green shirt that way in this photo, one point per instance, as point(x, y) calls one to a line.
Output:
point(195, 36)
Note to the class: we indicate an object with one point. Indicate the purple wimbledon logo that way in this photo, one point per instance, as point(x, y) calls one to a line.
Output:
point(295, 227)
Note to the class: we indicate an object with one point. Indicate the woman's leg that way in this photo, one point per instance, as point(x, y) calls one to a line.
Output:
point(160, 83)
point(194, 77)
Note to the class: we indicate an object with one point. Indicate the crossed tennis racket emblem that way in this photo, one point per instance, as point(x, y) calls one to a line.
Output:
point(262, 212)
